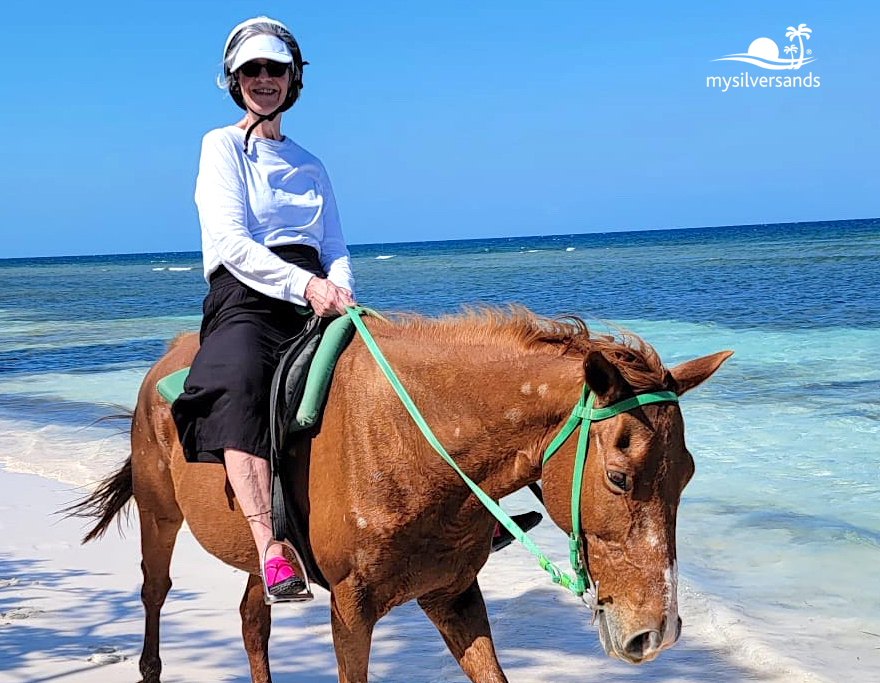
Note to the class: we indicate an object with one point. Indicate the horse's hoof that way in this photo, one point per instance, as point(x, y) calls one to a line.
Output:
point(151, 673)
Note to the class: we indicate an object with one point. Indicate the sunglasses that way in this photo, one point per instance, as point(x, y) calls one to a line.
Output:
point(273, 69)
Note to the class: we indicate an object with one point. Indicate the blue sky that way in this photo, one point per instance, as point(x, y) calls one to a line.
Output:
point(442, 120)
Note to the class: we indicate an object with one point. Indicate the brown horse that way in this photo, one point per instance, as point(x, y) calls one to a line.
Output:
point(391, 522)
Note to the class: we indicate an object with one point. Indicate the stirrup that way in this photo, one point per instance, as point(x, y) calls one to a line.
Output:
point(303, 596)
point(525, 521)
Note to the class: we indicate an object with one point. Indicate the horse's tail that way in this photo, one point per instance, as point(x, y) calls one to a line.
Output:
point(111, 496)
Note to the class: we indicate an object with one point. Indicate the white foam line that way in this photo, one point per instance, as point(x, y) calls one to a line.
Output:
point(709, 623)
point(66, 454)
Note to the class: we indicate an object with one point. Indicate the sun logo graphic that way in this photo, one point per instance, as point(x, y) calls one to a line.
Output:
point(764, 52)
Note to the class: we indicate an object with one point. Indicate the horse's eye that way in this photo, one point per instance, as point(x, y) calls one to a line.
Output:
point(619, 479)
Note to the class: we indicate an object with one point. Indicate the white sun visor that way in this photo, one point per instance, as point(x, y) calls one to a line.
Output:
point(262, 46)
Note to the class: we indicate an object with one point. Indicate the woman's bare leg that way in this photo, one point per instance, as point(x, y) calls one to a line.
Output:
point(251, 481)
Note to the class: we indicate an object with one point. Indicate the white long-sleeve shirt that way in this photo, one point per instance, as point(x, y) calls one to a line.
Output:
point(276, 194)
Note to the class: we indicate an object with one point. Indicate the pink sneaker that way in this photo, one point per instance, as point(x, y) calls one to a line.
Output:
point(281, 580)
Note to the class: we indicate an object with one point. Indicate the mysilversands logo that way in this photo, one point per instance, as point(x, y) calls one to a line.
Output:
point(764, 53)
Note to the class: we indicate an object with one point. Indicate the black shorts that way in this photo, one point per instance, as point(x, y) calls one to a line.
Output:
point(225, 403)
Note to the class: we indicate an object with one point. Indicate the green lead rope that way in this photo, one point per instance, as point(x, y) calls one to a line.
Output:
point(583, 415)
point(556, 574)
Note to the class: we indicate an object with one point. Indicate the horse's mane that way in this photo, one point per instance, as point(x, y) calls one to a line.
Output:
point(522, 330)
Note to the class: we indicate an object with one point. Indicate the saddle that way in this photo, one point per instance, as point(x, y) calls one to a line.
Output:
point(298, 395)
point(299, 392)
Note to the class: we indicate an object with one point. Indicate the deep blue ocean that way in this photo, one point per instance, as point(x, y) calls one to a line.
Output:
point(779, 532)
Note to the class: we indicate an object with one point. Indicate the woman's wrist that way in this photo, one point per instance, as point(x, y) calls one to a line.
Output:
point(309, 291)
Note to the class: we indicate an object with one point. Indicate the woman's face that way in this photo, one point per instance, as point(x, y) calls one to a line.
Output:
point(263, 93)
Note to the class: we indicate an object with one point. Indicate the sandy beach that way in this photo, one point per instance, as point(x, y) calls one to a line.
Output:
point(72, 614)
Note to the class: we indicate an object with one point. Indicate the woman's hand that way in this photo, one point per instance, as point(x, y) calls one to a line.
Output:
point(326, 298)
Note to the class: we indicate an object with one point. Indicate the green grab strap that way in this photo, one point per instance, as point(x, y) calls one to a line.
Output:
point(556, 574)
point(335, 339)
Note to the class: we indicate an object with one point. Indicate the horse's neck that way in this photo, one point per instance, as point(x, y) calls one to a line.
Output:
point(494, 411)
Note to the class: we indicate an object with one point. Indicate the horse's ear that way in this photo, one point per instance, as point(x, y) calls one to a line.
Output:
point(694, 372)
point(602, 377)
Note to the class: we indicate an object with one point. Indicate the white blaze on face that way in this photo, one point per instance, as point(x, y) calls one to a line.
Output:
point(670, 600)
point(653, 534)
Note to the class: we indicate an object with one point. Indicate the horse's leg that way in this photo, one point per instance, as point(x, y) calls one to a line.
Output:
point(352, 620)
point(256, 621)
point(464, 625)
point(158, 533)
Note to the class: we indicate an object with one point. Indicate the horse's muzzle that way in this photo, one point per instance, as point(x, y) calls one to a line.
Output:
point(640, 646)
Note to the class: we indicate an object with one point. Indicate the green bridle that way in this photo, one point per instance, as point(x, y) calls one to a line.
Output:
point(582, 416)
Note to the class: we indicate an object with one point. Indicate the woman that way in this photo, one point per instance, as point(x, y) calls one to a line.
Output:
point(271, 240)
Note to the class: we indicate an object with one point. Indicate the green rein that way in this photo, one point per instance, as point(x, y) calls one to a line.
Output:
point(582, 416)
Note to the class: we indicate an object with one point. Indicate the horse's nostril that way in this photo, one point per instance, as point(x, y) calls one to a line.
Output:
point(678, 628)
point(641, 644)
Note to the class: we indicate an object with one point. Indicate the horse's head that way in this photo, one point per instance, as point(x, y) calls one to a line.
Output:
point(636, 468)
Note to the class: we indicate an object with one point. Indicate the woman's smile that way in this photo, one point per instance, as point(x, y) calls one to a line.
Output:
point(265, 93)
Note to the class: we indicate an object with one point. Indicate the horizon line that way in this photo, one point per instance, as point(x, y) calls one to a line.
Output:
point(474, 239)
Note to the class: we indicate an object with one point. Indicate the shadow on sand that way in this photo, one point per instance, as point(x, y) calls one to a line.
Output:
point(543, 635)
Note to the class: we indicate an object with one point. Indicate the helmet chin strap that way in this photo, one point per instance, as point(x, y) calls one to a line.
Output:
point(291, 83)
point(260, 119)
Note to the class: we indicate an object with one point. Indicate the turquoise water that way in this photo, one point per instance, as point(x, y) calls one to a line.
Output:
point(779, 532)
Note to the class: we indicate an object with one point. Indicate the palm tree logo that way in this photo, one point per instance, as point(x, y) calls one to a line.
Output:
point(764, 52)
point(792, 49)
point(800, 33)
